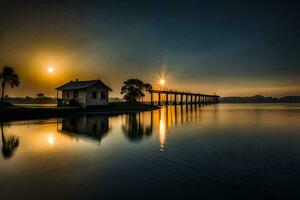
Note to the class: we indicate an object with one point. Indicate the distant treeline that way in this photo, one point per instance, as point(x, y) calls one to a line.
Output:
point(260, 99)
point(30, 100)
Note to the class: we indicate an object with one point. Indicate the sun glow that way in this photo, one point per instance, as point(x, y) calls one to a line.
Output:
point(162, 82)
point(50, 69)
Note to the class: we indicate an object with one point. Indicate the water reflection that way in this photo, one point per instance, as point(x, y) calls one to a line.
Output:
point(229, 151)
point(139, 126)
point(170, 117)
point(51, 139)
point(162, 129)
point(135, 127)
point(9, 143)
point(93, 126)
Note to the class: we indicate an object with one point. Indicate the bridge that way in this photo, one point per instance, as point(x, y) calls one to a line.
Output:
point(185, 97)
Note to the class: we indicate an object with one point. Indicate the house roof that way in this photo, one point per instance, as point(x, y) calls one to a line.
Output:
point(75, 85)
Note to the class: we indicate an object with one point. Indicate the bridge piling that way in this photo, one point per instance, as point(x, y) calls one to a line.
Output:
point(186, 99)
point(159, 102)
point(181, 99)
point(167, 99)
point(175, 99)
point(151, 98)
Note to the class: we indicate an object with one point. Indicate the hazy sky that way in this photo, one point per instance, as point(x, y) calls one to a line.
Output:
point(227, 47)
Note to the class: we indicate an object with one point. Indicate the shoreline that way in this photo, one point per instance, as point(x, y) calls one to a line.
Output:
point(13, 113)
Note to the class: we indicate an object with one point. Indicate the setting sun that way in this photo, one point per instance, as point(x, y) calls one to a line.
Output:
point(50, 69)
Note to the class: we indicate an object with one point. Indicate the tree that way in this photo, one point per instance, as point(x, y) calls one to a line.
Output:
point(134, 89)
point(40, 95)
point(8, 76)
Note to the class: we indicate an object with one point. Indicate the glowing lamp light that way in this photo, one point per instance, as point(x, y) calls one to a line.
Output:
point(162, 82)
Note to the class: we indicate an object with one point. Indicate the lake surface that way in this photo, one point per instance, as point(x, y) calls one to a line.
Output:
point(226, 151)
point(41, 105)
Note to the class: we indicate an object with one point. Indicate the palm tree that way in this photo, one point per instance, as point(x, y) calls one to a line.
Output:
point(8, 75)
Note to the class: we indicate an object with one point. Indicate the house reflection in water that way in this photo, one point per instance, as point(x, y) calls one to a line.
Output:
point(92, 126)
point(135, 126)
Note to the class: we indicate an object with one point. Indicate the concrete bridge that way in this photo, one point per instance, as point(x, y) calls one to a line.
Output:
point(185, 97)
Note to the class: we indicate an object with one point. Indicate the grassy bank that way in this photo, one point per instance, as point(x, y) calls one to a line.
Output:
point(18, 112)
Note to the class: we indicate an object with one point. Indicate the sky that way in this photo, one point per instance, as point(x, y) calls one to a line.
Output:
point(232, 48)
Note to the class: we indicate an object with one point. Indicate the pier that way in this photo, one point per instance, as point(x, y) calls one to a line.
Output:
point(176, 97)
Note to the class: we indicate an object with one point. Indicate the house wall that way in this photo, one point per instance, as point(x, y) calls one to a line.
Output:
point(90, 101)
point(81, 96)
point(85, 97)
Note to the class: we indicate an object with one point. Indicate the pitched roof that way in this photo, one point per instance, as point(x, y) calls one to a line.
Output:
point(75, 85)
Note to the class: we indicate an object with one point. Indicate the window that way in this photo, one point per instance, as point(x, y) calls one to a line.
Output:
point(68, 94)
point(102, 95)
point(75, 94)
point(94, 95)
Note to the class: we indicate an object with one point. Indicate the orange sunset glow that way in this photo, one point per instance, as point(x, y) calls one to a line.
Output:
point(149, 99)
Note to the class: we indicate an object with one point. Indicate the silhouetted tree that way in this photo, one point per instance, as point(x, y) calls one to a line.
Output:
point(8, 76)
point(40, 95)
point(134, 89)
point(9, 144)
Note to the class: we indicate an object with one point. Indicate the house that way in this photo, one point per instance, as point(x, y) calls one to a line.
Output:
point(83, 93)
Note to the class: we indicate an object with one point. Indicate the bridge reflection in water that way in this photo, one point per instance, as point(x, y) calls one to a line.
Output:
point(171, 117)
point(135, 126)
point(138, 126)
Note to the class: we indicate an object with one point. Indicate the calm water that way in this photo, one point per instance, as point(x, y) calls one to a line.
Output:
point(43, 105)
point(242, 151)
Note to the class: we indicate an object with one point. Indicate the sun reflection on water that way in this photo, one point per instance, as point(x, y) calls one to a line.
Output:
point(51, 139)
point(162, 130)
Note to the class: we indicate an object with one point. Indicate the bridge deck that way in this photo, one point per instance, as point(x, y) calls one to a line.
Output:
point(191, 98)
